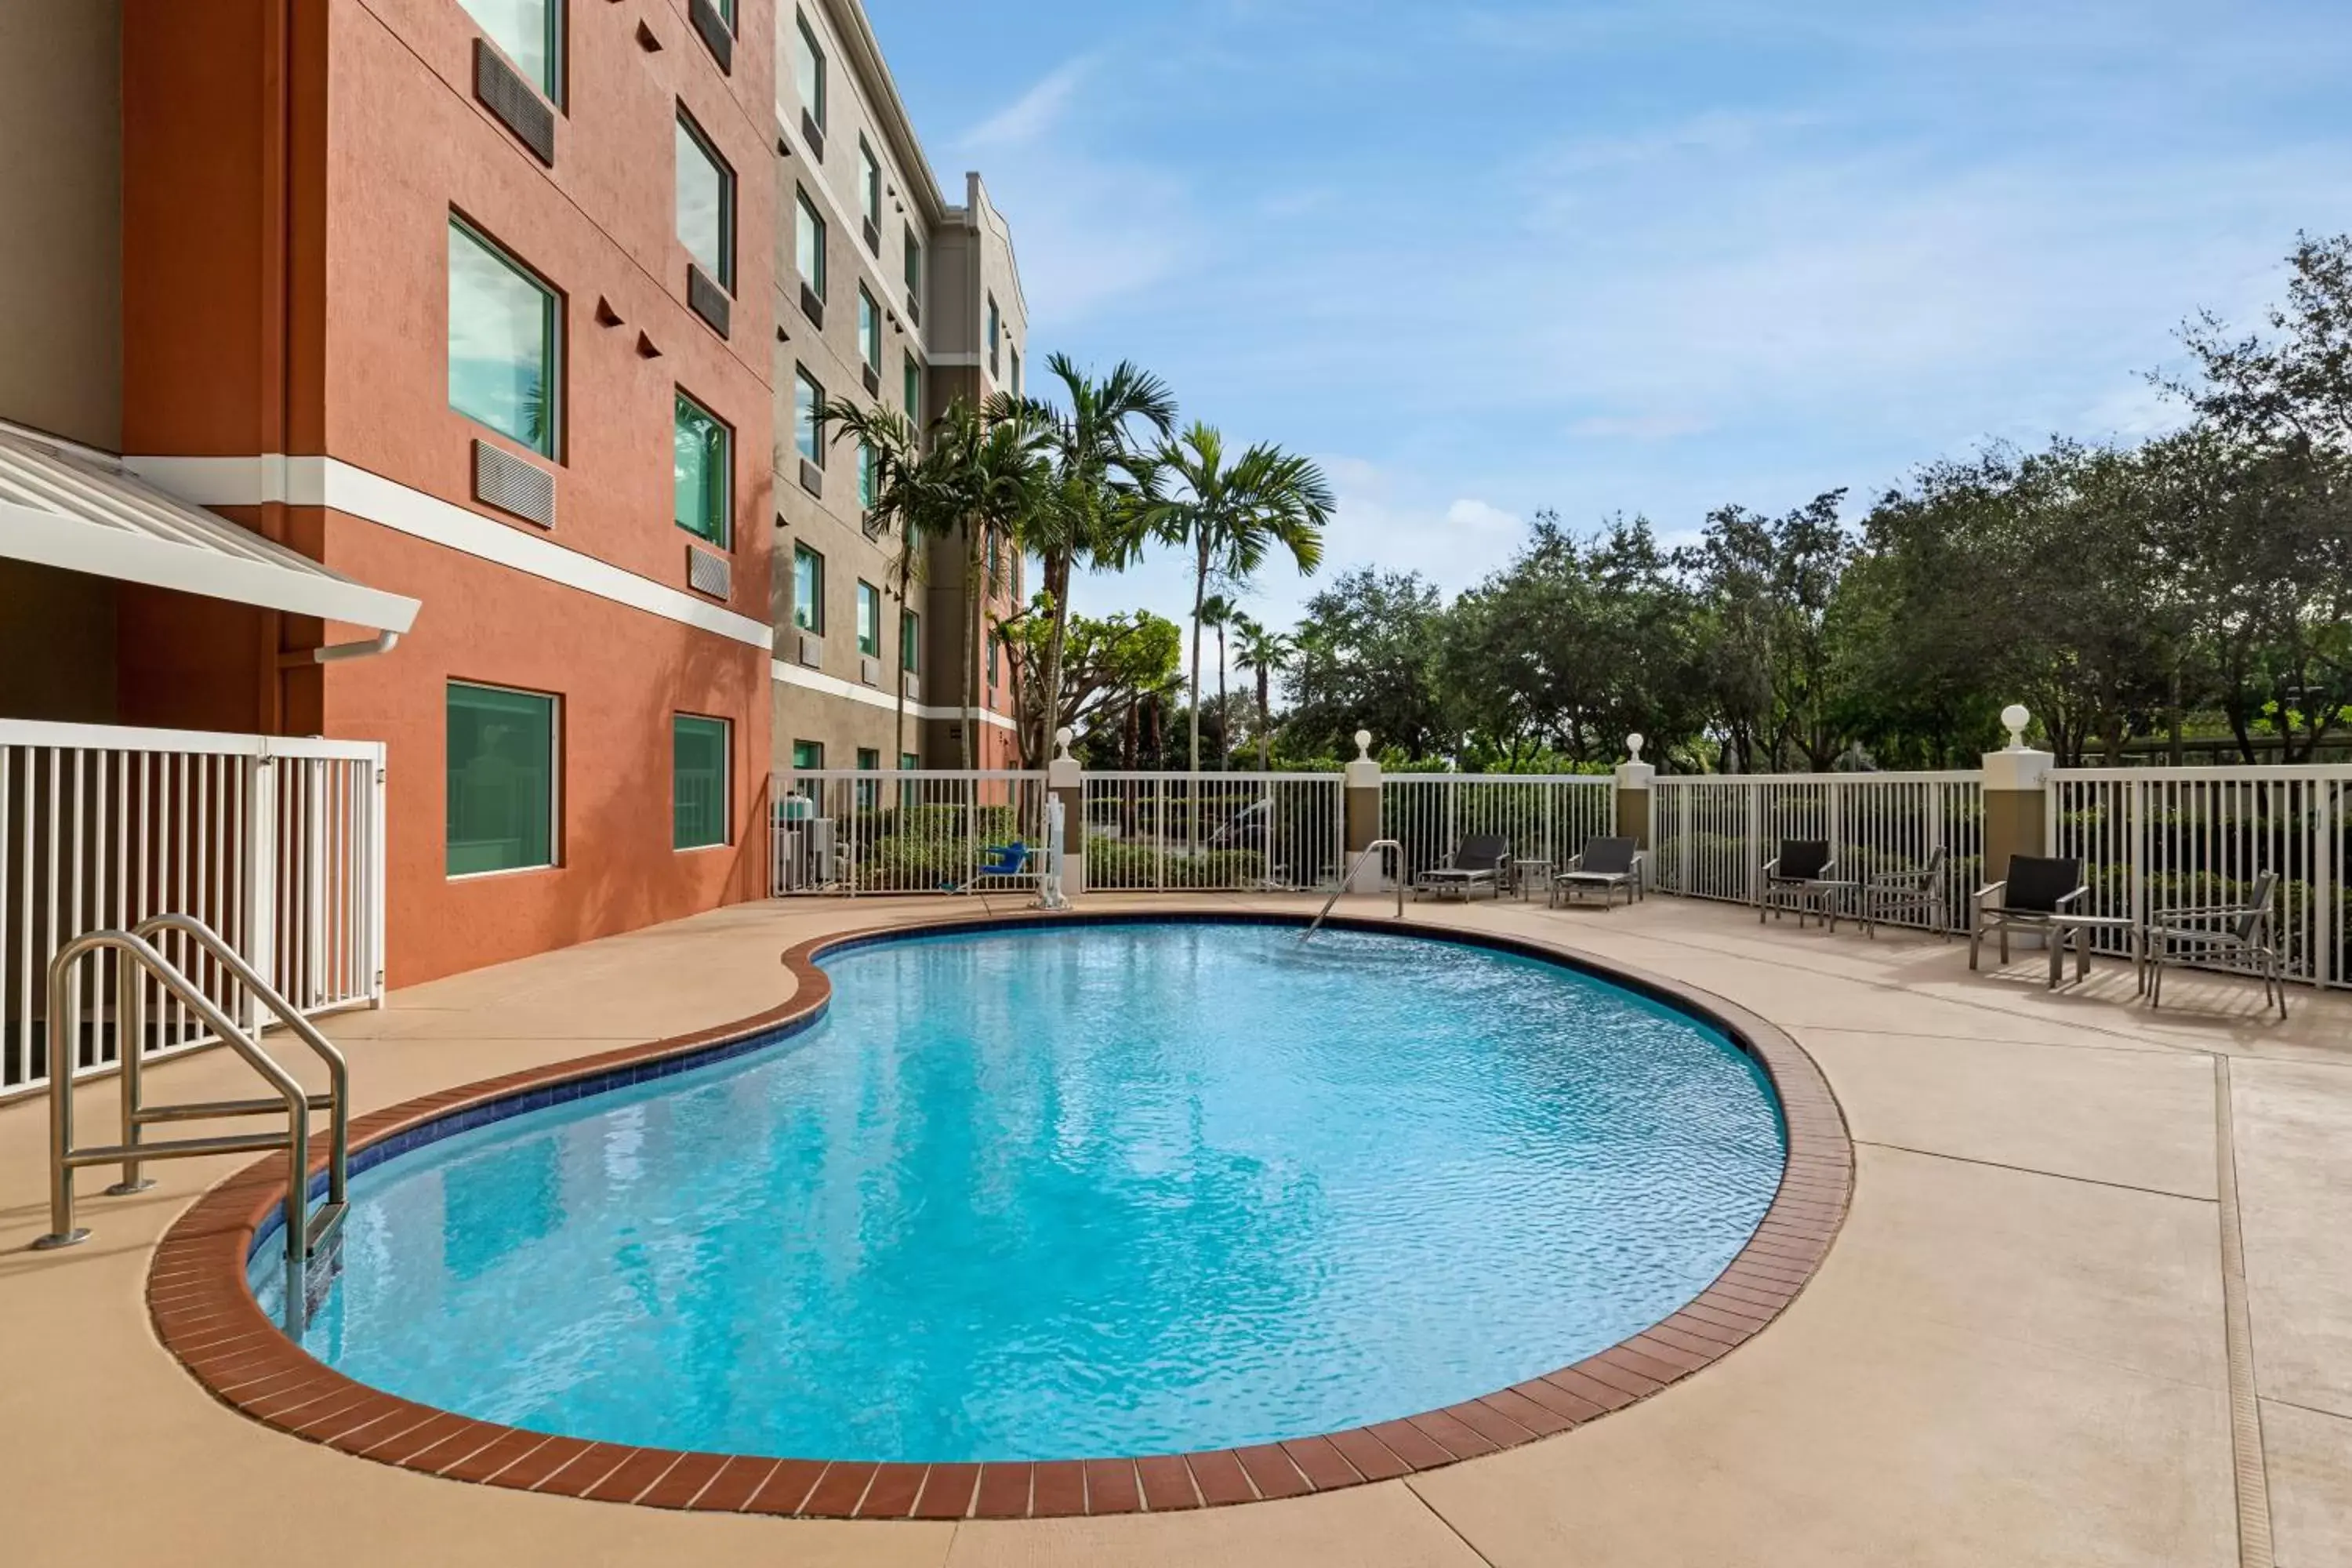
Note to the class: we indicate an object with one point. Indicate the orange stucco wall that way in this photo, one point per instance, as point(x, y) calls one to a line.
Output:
point(290, 170)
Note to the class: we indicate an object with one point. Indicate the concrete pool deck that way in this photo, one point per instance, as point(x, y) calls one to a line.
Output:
point(2016, 1351)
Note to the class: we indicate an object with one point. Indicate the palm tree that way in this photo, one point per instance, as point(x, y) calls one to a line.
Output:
point(1232, 518)
point(1091, 510)
point(910, 498)
point(1218, 611)
point(1263, 651)
point(993, 475)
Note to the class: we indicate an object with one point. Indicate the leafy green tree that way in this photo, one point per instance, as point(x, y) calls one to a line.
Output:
point(1366, 657)
point(913, 502)
point(1263, 653)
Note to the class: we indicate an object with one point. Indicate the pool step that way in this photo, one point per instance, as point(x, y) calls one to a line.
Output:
point(325, 1226)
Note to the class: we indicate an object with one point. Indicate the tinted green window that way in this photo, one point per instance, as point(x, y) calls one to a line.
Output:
point(808, 753)
point(914, 390)
point(914, 267)
point(698, 782)
point(995, 331)
point(869, 620)
point(501, 779)
point(807, 398)
point(867, 484)
point(702, 467)
point(992, 641)
point(808, 589)
point(869, 184)
point(706, 203)
point(808, 246)
point(504, 343)
point(1015, 354)
point(910, 638)
point(531, 32)
point(869, 793)
point(869, 329)
point(909, 762)
point(808, 73)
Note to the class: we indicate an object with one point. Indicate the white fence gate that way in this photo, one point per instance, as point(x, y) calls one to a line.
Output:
point(1712, 833)
point(1539, 816)
point(277, 844)
point(1222, 832)
point(840, 830)
point(2152, 838)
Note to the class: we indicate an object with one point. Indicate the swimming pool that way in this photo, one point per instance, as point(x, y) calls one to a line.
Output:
point(1036, 1193)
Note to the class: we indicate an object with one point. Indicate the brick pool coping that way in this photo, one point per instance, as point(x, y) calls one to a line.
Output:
point(205, 1315)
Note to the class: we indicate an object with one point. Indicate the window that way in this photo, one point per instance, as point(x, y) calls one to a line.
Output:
point(501, 779)
point(808, 399)
point(869, 620)
point(808, 246)
point(706, 203)
point(808, 73)
point(909, 762)
point(808, 589)
point(914, 264)
point(868, 477)
point(726, 12)
point(506, 343)
point(698, 782)
point(995, 331)
point(808, 754)
point(994, 639)
point(869, 185)
point(869, 793)
point(869, 331)
point(910, 639)
point(1015, 355)
point(531, 33)
point(914, 391)
point(702, 473)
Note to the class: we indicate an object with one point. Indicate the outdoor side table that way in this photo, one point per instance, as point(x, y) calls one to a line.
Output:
point(1525, 871)
point(1829, 896)
point(2078, 929)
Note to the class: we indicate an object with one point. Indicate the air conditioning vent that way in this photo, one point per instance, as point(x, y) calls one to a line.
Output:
point(873, 379)
point(812, 479)
point(811, 306)
point(912, 685)
point(812, 134)
point(869, 670)
point(511, 100)
point(713, 28)
point(873, 235)
point(707, 572)
point(812, 650)
point(519, 489)
point(708, 299)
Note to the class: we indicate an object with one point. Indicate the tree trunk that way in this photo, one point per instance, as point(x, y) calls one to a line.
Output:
point(1224, 740)
point(1264, 724)
point(1200, 593)
point(976, 541)
point(1057, 587)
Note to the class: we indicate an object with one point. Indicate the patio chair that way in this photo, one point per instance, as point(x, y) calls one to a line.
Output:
point(1001, 863)
point(1478, 863)
point(1798, 878)
point(2232, 933)
point(1607, 864)
point(1919, 890)
point(2036, 892)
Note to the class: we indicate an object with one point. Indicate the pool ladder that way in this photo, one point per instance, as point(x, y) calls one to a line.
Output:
point(1347, 879)
point(138, 959)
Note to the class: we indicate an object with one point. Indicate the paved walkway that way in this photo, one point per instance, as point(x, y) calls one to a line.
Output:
point(2019, 1352)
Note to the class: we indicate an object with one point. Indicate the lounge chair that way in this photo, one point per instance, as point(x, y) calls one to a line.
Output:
point(1919, 890)
point(1003, 863)
point(2035, 895)
point(1798, 878)
point(1607, 864)
point(2233, 932)
point(1479, 863)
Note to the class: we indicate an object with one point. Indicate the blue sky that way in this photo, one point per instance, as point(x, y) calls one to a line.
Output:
point(1653, 255)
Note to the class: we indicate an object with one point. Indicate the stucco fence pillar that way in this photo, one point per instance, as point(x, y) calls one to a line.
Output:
point(2016, 800)
point(1361, 815)
point(1066, 781)
point(1633, 792)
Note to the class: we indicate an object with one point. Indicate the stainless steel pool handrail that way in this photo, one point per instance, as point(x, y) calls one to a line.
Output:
point(1348, 876)
point(138, 959)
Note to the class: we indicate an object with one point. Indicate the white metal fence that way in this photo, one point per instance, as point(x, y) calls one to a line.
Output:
point(1225, 832)
point(277, 844)
point(1712, 833)
point(1539, 817)
point(840, 830)
point(2152, 838)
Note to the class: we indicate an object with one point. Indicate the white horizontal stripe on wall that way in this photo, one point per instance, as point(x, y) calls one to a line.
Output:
point(330, 482)
point(834, 685)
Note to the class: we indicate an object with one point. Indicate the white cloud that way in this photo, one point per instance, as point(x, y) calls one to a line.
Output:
point(1025, 120)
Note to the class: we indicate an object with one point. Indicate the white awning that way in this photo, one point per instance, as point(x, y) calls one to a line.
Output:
point(75, 509)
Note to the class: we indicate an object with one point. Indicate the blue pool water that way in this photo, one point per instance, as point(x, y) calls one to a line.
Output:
point(1050, 1194)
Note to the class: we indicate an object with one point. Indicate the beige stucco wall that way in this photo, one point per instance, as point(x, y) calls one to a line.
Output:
point(62, 217)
